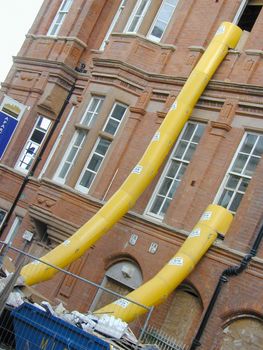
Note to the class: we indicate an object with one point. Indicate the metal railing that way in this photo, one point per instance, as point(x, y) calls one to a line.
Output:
point(9, 337)
point(152, 335)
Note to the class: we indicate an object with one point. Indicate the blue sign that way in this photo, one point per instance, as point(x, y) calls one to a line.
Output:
point(7, 128)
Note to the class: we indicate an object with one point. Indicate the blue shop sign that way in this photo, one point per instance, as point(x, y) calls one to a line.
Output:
point(7, 128)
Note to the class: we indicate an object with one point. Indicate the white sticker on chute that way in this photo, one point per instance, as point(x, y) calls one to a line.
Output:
point(122, 302)
point(206, 216)
point(137, 169)
point(178, 261)
point(195, 233)
point(156, 136)
point(173, 106)
point(221, 30)
point(66, 242)
point(36, 262)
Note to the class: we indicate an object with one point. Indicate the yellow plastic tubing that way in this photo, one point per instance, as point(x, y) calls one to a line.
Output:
point(226, 37)
point(214, 220)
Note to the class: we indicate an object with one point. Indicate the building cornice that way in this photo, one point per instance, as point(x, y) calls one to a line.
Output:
point(57, 38)
point(225, 86)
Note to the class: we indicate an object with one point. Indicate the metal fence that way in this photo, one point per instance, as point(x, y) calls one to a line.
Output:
point(152, 335)
point(29, 327)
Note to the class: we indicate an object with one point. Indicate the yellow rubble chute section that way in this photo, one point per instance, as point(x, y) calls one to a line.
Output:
point(226, 37)
point(214, 220)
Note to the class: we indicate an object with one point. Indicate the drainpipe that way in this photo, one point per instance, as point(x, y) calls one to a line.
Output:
point(224, 278)
point(37, 159)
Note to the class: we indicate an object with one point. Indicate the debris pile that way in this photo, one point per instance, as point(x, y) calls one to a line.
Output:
point(104, 326)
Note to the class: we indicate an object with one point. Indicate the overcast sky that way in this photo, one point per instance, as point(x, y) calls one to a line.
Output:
point(16, 18)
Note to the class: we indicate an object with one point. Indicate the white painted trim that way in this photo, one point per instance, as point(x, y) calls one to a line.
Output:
point(133, 14)
point(55, 146)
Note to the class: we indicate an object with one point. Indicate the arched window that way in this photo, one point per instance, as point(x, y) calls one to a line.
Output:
point(244, 332)
point(184, 313)
point(121, 278)
point(175, 321)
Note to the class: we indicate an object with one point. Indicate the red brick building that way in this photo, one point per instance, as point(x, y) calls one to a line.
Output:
point(124, 62)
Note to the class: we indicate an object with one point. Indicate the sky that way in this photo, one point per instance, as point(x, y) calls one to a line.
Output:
point(16, 18)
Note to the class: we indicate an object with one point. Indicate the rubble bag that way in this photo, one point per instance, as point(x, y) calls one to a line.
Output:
point(36, 329)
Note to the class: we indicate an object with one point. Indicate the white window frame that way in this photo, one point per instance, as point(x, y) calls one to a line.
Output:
point(134, 14)
point(240, 11)
point(25, 152)
point(171, 160)
point(91, 120)
point(94, 113)
point(164, 3)
point(78, 186)
point(5, 213)
point(111, 117)
point(63, 10)
point(113, 23)
point(65, 160)
point(13, 230)
point(241, 176)
point(55, 146)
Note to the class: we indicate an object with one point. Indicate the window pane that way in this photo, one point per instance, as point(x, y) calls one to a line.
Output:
point(225, 198)
point(251, 165)
point(102, 147)
point(80, 138)
point(2, 215)
point(87, 179)
point(157, 205)
point(189, 153)
point(173, 188)
point(165, 13)
point(141, 7)
point(248, 144)
point(236, 201)
point(198, 133)
point(232, 182)
point(64, 170)
point(72, 154)
point(66, 5)
point(243, 185)
point(43, 123)
point(158, 29)
point(165, 186)
point(137, 16)
point(181, 171)
point(259, 147)
point(180, 149)
point(37, 136)
point(95, 162)
point(165, 206)
point(92, 111)
point(188, 133)
point(54, 29)
point(114, 119)
point(118, 111)
point(239, 163)
point(244, 165)
point(60, 18)
point(173, 168)
point(111, 126)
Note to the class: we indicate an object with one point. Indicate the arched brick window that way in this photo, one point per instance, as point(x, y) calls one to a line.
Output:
point(121, 278)
point(244, 332)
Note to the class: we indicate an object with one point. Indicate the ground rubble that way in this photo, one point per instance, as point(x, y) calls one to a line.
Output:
point(106, 327)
